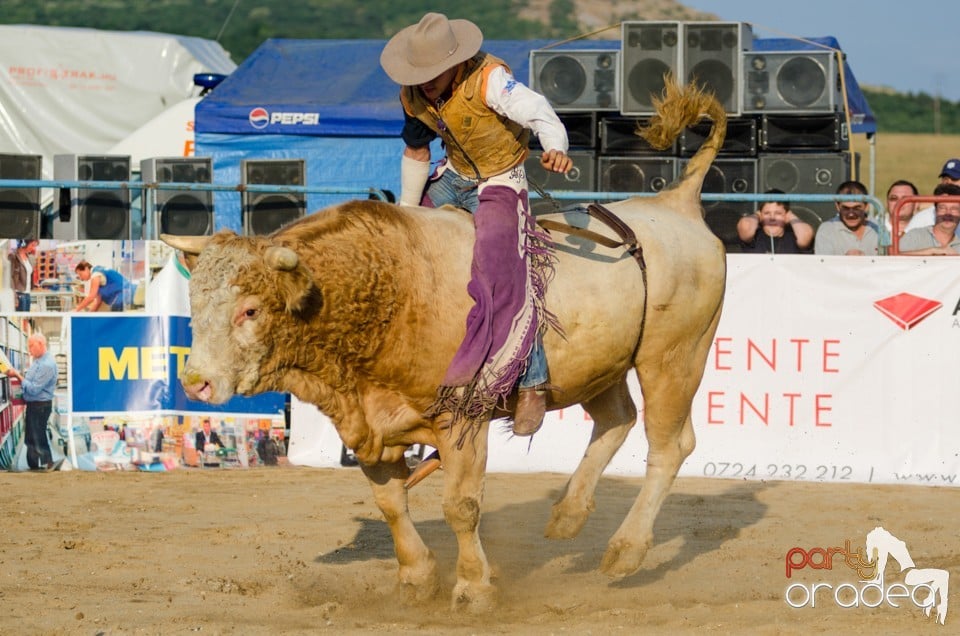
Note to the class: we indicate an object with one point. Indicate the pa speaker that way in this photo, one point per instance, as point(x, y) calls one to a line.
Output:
point(618, 136)
point(20, 207)
point(636, 174)
point(712, 57)
point(581, 130)
point(577, 80)
point(808, 174)
point(581, 178)
point(648, 51)
point(94, 213)
point(181, 212)
point(824, 132)
point(740, 141)
point(728, 176)
point(795, 82)
point(264, 212)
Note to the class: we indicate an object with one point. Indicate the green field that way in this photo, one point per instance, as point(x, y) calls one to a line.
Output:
point(917, 158)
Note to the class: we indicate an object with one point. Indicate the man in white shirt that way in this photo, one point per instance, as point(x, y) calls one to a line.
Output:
point(928, 215)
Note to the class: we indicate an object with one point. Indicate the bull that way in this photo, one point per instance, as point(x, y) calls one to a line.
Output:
point(360, 307)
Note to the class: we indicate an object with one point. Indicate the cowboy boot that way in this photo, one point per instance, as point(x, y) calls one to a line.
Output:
point(531, 407)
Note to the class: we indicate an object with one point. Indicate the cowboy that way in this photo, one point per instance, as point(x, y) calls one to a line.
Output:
point(483, 115)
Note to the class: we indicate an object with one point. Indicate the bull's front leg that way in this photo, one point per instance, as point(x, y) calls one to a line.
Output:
point(463, 474)
point(418, 568)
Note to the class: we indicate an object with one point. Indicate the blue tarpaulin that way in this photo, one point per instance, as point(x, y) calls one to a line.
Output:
point(330, 103)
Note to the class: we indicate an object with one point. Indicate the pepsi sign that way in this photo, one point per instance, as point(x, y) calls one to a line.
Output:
point(259, 118)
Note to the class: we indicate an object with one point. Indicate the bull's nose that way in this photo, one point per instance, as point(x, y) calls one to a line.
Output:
point(197, 388)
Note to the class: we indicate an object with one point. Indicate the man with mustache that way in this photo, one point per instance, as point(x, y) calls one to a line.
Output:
point(850, 232)
point(941, 238)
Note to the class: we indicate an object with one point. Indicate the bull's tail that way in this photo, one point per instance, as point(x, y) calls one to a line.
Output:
point(679, 108)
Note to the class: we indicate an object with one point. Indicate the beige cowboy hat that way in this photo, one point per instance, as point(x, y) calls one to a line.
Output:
point(421, 52)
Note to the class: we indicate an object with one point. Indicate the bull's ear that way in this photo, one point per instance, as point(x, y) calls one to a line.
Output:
point(187, 244)
point(294, 283)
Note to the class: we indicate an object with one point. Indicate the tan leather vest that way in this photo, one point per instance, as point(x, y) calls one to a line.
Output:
point(480, 143)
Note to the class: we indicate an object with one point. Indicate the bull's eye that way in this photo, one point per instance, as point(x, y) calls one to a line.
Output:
point(251, 313)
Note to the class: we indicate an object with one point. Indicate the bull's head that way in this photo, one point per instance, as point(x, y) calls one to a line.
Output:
point(242, 291)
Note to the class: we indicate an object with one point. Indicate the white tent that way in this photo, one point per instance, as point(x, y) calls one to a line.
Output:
point(81, 91)
point(169, 134)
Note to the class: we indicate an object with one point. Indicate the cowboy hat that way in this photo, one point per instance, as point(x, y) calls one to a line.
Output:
point(421, 52)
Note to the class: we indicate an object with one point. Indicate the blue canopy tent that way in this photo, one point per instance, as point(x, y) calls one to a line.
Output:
point(329, 103)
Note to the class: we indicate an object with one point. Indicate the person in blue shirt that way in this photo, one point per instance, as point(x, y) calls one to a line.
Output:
point(38, 383)
point(108, 288)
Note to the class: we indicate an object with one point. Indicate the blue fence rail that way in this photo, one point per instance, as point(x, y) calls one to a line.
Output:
point(148, 192)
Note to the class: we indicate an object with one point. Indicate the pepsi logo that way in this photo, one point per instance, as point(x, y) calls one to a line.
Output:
point(259, 117)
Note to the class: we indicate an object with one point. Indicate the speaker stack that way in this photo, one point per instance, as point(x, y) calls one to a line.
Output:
point(181, 212)
point(265, 212)
point(92, 213)
point(20, 207)
point(785, 125)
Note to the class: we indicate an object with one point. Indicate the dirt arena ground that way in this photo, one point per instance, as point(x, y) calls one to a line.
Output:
point(295, 550)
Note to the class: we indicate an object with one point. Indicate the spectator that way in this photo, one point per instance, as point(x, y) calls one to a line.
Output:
point(940, 239)
point(898, 190)
point(23, 276)
point(849, 232)
point(108, 289)
point(774, 229)
point(950, 173)
point(38, 383)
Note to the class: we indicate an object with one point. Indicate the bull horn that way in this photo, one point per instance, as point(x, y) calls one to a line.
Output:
point(281, 258)
point(187, 244)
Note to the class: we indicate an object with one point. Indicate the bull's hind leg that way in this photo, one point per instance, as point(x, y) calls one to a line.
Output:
point(463, 474)
point(614, 414)
point(669, 385)
point(418, 568)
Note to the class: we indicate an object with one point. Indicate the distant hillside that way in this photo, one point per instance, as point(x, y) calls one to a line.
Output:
point(242, 30)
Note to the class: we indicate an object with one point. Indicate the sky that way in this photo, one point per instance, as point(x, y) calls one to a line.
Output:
point(909, 46)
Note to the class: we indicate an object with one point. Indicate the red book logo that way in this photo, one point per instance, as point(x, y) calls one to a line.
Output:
point(906, 309)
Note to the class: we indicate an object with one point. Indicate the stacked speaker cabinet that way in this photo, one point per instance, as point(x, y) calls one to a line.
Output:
point(264, 212)
point(577, 80)
point(582, 177)
point(618, 136)
point(636, 173)
point(648, 51)
point(581, 130)
point(180, 212)
point(805, 173)
point(793, 82)
point(711, 58)
point(93, 213)
point(20, 207)
point(740, 140)
point(728, 176)
point(814, 132)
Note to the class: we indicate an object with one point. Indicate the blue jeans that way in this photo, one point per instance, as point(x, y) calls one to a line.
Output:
point(452, 189)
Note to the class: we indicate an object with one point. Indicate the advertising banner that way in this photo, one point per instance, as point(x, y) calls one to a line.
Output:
point(823, 369)
point(132, 363)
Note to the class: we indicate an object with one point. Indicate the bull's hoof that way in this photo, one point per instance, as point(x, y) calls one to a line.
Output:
point(566, 521)
point(419, 584)
point(474, 598)
point(623, 558)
